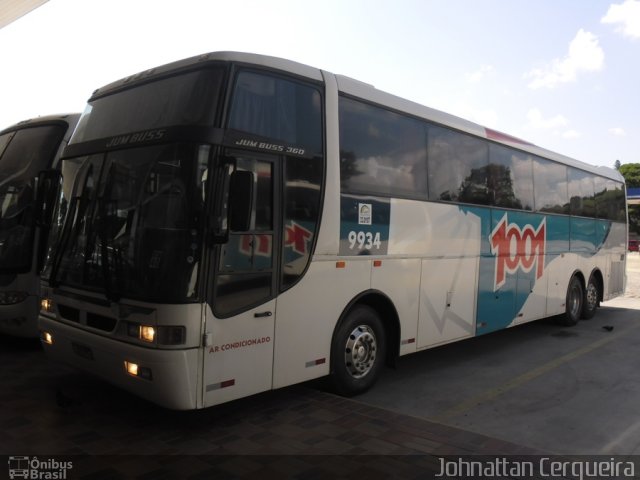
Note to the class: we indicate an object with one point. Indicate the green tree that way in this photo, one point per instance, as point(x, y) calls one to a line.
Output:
point(617, 165)
point(631, 174)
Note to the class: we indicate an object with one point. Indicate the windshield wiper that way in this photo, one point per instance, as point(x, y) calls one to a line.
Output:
point(105, 244)
point(63, 242)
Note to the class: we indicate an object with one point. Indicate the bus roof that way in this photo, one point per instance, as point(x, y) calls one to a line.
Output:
point(358, 89)
point(213, 57)
point(68, 118)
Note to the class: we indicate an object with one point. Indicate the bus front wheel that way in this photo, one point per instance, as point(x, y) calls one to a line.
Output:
point(357, 352)
point(574, 302)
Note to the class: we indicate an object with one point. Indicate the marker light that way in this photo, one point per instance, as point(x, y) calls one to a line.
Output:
point(47, 338)
point(147, 333)
point(46, 305)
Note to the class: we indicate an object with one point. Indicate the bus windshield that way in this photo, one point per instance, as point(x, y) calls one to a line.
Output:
point(187, 99)
point(133, 226)
point(23, 154)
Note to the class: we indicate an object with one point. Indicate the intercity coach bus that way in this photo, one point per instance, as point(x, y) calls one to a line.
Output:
point(240, 223)
point(26, 149)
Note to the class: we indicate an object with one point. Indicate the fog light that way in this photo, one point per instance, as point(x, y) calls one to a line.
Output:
point(132, 368)
point(135, 370)
point(147, 333)
point(47, 338)
point(46, 305)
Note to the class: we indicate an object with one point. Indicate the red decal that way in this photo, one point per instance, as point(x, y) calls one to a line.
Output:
point(503, 137)
point(517, 248)
point(313, 363)
point(262, 245)
point(297, 237)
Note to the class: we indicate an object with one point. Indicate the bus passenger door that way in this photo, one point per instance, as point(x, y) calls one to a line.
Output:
point(240, 318)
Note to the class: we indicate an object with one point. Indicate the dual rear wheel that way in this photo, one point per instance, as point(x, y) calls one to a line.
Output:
point(581, 302)
point(359, 345)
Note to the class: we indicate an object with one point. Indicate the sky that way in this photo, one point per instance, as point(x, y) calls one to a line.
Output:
point(562, 74)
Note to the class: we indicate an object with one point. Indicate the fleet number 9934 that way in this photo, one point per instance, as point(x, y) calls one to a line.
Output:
point(367, 240)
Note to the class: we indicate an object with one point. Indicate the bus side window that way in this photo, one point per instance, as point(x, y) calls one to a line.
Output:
point(381, 152)
point(582, 200)
point(302, 180)
point(550, 182)
point(458, 167)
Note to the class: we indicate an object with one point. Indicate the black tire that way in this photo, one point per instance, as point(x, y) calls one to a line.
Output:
point(357, 352)
point(574, 302)
point(591, 298)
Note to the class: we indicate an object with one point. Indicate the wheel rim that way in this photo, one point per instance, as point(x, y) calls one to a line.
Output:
point(575, 300)
point(360, 351)
point(592, 296)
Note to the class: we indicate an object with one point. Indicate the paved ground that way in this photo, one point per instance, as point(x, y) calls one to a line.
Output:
point(572, 390)
point(563, 390)
point(50, 411)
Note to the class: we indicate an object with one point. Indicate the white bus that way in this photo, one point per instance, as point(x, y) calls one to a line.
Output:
point(26, 149)
point(240, 223)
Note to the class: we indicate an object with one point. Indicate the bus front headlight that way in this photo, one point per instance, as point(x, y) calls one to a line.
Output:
point(147, 333)
point(11, 297)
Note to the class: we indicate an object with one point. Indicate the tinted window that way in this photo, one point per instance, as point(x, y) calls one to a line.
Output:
point(23, 154)
point(4, 141)
point(187, 99)
point(276, 108)
point(458, 167)
point(610, 201)
point(381, 152)
point(510, 178)
point(302, 180)
point(132, 223)
point(581, 193)
point(29, 151)
point(550, 182)
point(245, 268)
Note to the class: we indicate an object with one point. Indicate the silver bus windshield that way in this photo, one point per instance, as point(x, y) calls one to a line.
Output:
point(23, 153)
point(133, 223)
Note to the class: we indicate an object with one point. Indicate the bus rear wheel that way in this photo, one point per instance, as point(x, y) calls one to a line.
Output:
point(591, 298)
point(574, 302)
point(357, 352)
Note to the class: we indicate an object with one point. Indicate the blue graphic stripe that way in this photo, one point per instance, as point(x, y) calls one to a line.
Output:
point(498, 306)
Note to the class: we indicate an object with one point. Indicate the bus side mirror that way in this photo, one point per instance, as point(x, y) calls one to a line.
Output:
point(46, 196)
point(240, 200)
